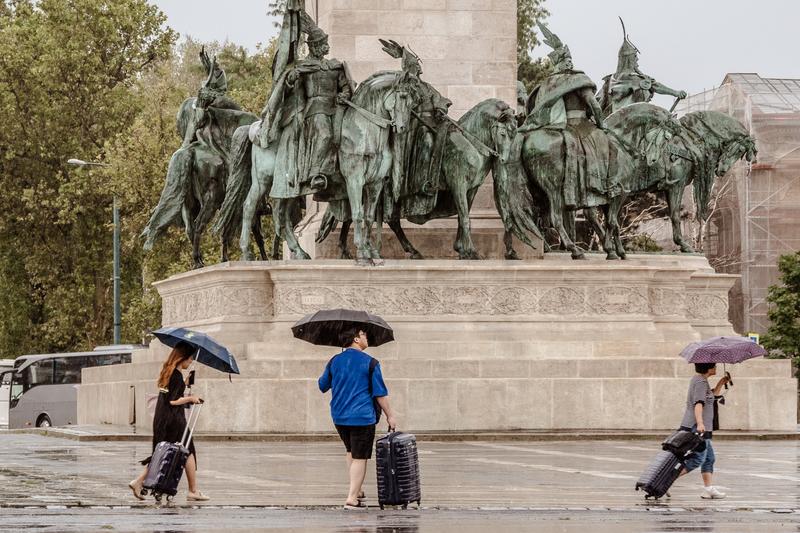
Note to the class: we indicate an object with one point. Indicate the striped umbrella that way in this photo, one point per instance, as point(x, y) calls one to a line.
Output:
point(729, 350)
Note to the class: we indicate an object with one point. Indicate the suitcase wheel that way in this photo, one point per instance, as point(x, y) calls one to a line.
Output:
point(144, 492)
point(405, 506)
point(169, 499)
point(157, 496)
point(381, 507)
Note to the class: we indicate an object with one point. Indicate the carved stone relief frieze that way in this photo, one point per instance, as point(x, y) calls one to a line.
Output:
point(219, 301)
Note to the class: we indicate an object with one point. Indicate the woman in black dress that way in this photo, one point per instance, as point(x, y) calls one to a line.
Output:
point(169, 421)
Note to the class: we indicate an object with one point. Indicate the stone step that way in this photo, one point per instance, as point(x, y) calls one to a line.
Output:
point(456, 404)
point(425, 349)
point(586, 368)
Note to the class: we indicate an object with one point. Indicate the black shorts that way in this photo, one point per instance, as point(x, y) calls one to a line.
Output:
point(358, 440)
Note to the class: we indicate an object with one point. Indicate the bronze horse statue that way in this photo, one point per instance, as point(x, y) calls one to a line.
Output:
point(653, 153)
point(196, 177)
point(480, 142)
point(364, 148)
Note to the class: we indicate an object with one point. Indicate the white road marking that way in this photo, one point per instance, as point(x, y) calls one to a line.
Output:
point(556, 453)
point(551, 468)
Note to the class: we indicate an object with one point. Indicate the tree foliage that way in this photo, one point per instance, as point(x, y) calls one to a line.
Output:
point(67, 68)
point(529, 71)
point(783, 335)
point(98, 80)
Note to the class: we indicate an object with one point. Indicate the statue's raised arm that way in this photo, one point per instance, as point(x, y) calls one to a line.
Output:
point(629, 85)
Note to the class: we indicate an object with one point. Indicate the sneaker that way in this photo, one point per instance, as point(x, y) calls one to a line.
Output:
point(711, 493)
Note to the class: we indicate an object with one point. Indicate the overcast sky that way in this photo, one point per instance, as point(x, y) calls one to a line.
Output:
point(686, 44)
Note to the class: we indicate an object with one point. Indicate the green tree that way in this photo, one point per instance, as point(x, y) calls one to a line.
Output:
point(783, 336)
point(529, 71)
point(67, 69)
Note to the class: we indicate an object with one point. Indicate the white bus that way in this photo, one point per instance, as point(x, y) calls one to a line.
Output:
point(43, 389)
point(5, 365)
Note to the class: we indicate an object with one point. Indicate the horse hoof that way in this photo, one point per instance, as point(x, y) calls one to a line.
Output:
point(346, 255)
point(378, 262)
point(612, 256)
point(416, 256)
point(301, 257)
point(512, 256)
point(247, 256)
point(470, 256)
point(578, 256)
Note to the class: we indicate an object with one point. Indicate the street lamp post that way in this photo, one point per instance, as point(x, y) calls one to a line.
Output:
point(117, 311)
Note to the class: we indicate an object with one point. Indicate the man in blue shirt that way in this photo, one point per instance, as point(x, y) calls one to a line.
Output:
point(356, 382)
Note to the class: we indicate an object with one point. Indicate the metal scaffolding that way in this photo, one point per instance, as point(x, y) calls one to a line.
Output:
point(757, 215)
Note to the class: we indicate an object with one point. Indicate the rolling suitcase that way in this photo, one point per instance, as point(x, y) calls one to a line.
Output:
point(397, 466)
point(168, 461)
point(659, 476)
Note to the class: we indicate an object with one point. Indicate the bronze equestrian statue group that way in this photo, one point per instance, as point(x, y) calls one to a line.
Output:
point(387, 150)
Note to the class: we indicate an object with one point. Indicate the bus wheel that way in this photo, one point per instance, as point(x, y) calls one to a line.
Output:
point(43, 422)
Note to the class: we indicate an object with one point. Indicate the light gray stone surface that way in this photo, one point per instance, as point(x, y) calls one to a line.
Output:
point(550, 344)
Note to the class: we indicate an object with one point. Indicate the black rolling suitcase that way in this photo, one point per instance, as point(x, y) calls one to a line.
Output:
point(660, 474)
point(169, 459)
point(397, 470)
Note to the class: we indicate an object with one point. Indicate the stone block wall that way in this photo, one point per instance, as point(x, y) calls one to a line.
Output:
point(468, 47)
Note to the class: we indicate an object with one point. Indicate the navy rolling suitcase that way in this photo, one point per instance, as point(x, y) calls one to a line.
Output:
point(169, 459)
point(397, 464)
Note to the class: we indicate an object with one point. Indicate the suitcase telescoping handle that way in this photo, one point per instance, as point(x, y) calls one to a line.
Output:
point(194, 415)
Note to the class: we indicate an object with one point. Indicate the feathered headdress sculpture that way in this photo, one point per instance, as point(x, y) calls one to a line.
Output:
point(398, 51)
point(560, 50)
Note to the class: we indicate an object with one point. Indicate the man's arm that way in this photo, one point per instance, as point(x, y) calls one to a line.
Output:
point(386, 407)
point(660, 88)
point(324, 380)
point(594, 106)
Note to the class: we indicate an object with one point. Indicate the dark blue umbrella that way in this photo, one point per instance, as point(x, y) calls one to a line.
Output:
point(209, 352)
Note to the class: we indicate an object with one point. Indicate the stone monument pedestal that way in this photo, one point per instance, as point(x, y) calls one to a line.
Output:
point(481, 346)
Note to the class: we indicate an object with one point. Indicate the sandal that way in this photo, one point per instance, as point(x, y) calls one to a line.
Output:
point(351, 507)
point(197, 497)
point(137, 489)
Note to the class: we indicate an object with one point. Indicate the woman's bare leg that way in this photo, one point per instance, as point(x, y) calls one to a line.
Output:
point(191, 474)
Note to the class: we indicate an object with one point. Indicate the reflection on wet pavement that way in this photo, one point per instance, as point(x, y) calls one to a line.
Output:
point(475, 486)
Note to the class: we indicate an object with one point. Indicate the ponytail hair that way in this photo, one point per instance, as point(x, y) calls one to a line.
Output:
point(180, 353)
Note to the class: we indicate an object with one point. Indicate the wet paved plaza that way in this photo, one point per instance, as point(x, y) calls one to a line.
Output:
point(64, 485)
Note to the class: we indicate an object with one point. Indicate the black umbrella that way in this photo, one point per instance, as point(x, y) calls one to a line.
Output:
point(324, 327)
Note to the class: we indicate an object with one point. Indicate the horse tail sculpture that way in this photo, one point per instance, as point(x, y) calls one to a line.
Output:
point(513, 197)
point(229, 221)
point(170, 205)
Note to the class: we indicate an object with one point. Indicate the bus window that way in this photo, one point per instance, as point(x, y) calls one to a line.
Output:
point(68, 369)
point(39, 373)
